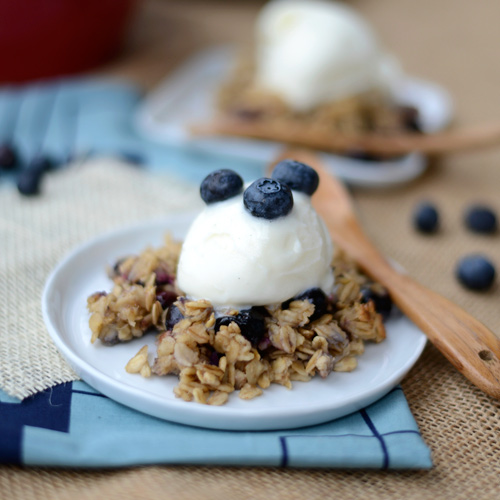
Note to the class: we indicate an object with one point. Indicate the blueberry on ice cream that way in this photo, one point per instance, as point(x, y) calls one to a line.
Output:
point(259, 248)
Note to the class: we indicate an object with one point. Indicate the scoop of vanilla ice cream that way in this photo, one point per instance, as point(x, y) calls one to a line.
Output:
point(237, 260)
point(316, 51)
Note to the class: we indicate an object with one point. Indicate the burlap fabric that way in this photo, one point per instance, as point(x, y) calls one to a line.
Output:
point(454, 42)
point(458, 422)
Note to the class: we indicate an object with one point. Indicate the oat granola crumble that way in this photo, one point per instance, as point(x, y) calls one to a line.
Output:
point(371, 111)
point(212, 360)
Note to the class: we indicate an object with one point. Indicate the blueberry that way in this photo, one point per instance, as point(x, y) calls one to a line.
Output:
point(426, 218)
point(481, 219)
point(297, 176)
point(317, 297)
point(410, 119)
point(8, 157)
point(116, 267)
point(173, 317)
point(251, 322)
point(28, 182)
point(268, 199)
point(381, 301)
point(214, 358)
point(166, 298)
point(42, 163)
point(132, 157)
point(476, 272)
point(163, 277)
point(220, 185)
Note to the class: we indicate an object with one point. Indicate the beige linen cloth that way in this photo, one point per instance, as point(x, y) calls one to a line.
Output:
point(77, 203)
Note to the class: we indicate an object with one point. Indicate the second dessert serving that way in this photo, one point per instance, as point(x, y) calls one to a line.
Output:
point(315, 66)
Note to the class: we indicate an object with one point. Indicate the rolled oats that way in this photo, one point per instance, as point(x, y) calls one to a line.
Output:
point(211, 364)
point(218, 398)
point(139, 363)
point(347, 364)
point(239, 98)
point(249, 391)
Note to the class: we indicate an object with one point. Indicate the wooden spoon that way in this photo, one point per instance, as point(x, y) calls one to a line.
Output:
point(471, 347)
point(474, 137)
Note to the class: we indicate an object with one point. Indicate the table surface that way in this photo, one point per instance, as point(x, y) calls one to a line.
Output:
point(454, 43)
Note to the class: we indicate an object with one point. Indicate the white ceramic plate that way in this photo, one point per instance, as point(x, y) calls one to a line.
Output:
point(83, 272)
point(186, 97)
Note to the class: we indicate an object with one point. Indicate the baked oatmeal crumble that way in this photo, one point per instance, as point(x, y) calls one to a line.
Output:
point(212, 360)
point(372, 111)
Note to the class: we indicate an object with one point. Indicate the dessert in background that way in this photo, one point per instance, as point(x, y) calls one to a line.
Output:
point(315, 64)
point(315, 52)
point(254, 296)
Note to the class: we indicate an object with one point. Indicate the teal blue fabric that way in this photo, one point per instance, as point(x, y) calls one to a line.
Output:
point(71, 425)
point(73, 118)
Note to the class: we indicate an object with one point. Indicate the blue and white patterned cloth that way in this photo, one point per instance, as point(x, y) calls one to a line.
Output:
point(72, 425)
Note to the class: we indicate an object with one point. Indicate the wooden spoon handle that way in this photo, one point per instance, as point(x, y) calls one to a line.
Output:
point(479, 136)
point(471, 347)
point(468, 344)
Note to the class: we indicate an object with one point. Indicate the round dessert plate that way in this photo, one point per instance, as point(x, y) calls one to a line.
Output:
point(187, 96)
point(65, 314)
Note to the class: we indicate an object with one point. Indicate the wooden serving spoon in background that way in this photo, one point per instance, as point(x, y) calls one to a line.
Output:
point(448, 141)
point(471, 347)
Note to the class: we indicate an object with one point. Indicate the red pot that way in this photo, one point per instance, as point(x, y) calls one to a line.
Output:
point(46, 38)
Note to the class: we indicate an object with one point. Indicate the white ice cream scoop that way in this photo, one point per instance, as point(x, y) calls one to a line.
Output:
point(316, 51)
point(235, 259)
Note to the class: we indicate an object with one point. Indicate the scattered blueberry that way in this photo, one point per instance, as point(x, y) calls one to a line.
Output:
point(481, 219)
point(251, 323)
point(220, 185)
point(42, 163)
point(297, 176)
point(426, 218)
point(476, 272)
point(8, 157)
point(268, 198)
point(382, 301)
point(317, 297)
point(28, 182)
point(132, 157)
point(174, 315)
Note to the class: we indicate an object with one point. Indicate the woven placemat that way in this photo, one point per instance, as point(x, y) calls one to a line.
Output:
point(458, 422)
point(77, 203)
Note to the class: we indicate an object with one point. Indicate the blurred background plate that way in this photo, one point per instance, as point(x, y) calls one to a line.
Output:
point(186, 97)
